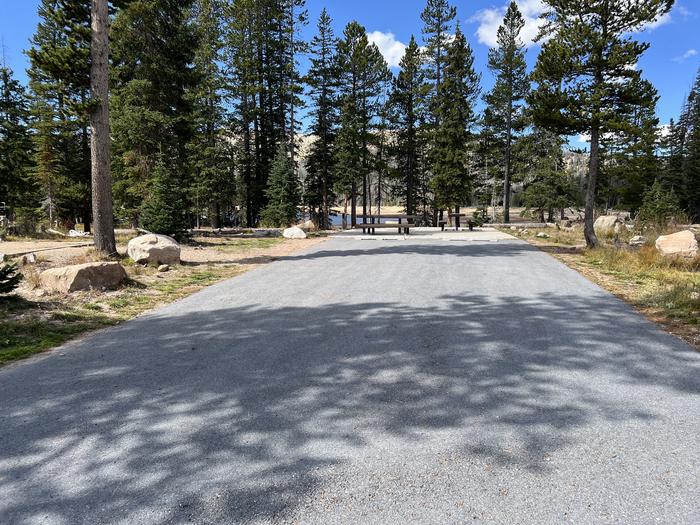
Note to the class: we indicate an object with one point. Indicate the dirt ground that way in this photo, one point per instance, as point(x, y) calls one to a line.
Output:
point(33, 320)
point(200, 253)
point(201, 249)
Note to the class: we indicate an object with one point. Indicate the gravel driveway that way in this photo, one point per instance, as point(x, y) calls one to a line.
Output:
point(363, 381)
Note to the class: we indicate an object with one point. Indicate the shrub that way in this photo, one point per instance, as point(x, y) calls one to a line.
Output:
point(659, 207)
point(282, 192)
point(164, 210)
point(480, 216)
point(9, 278)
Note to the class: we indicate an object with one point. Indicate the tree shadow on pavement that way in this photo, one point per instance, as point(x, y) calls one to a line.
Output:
point(370, 247)
point(242, 414)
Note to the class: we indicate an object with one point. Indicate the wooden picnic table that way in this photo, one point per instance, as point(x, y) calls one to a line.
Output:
point(375, 222)
point(456, 217)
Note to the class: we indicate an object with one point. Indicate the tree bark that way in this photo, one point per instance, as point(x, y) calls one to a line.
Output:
point(506, 181)
point(353, 204)
point(594, 165)
point(216, 215)
point(102, 214)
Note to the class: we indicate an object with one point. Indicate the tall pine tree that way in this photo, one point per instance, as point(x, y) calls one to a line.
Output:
point(153, 49)
point(363, 74)
point(262, 46)
point(586, 76)
point(322, 80)
point(438, 23)
point(17, 188)
point(209, 152)
point(452, 181)
point(507, 62)
point(408, 104)
point(59, 80)
point(687, 154)
point(629, 160)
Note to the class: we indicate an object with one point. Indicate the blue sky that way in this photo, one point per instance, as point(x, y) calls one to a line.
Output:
point(671, 63)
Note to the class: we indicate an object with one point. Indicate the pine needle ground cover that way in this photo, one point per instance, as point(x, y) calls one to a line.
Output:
point(31, 323)
point(666, 291)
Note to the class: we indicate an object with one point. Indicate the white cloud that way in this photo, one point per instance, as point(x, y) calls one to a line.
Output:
point(685, 56)
point(491, 19)
point(391, 49)
point(661, 21)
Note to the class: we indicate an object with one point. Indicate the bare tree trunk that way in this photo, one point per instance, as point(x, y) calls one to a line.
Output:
point(103, 227)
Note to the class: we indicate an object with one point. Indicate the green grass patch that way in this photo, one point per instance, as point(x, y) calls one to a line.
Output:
point(29, 327)
point(242, 245)
point(23, 337)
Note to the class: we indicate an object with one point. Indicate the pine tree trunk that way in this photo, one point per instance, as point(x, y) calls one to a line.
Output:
point(216, 215)
point(324, 219)
point(353, 204)
point(411, 165)
point(364, 197)
point(509, 147)
point(103, 221)
point(594, 164)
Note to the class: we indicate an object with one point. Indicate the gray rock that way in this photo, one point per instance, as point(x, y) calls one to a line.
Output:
point(542, 235)
point(607, 225)
point(681, 244)
point(294, 233)
point(30, 258)
point(637, 240)
point(154, 249)
point(164, 268)
point(308, 226)
point(2, 257)
point(88, 276)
